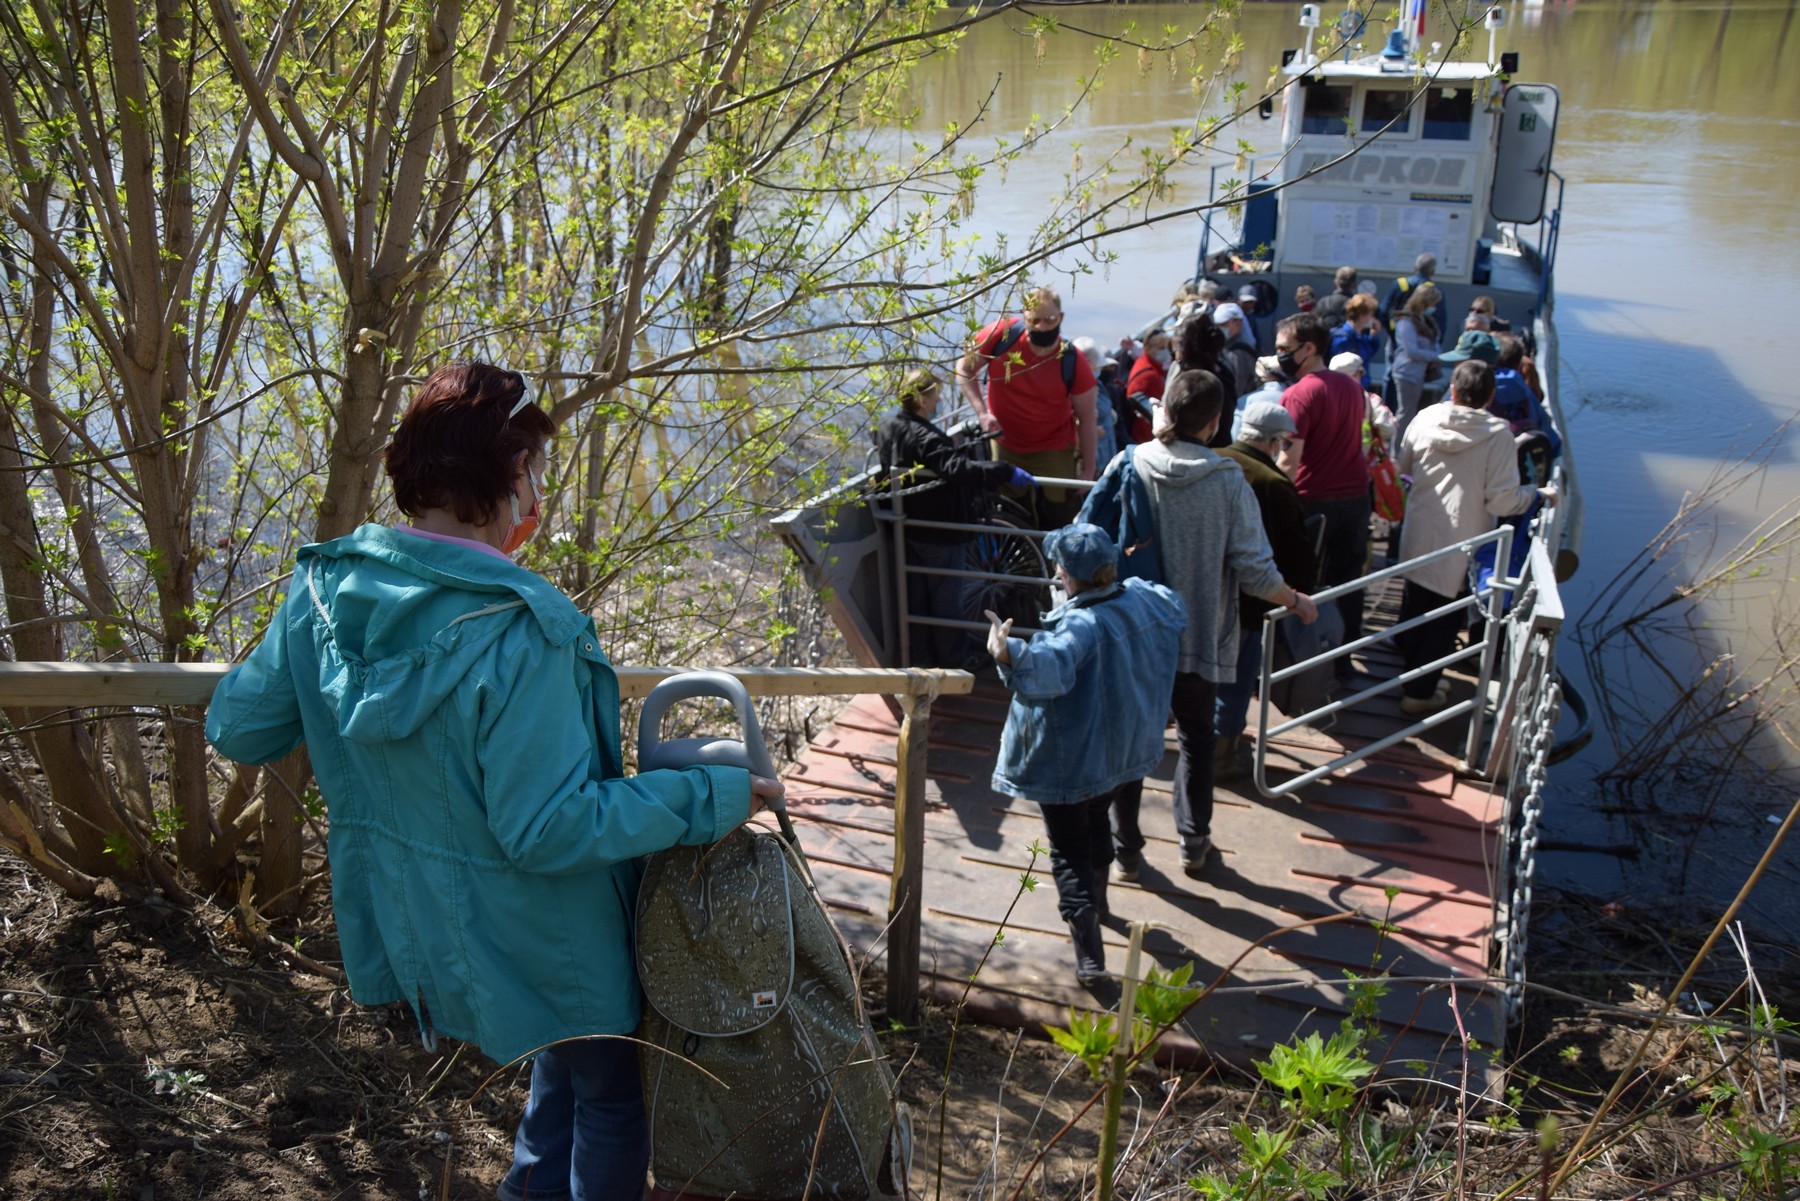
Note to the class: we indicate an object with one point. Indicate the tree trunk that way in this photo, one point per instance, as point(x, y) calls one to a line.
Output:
point(350, 463)
point(75, 792)
point(279, 870)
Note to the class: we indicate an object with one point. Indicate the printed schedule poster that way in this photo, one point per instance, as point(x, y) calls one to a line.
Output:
point(1380, 237)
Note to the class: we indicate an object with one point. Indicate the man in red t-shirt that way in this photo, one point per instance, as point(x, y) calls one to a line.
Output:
point(1040, 396)
point(1332, 478)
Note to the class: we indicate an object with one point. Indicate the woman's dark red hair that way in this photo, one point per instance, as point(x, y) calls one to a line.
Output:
point(455, 448)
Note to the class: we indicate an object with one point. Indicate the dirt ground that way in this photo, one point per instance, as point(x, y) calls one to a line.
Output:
point(150, 1053)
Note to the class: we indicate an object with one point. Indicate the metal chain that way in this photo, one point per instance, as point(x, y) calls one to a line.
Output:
point(1534, 734)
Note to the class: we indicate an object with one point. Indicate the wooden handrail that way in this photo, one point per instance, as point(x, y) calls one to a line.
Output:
point(89, 685)
point(108, 685)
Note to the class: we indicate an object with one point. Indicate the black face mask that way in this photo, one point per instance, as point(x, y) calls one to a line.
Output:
point(1285, 360)
point(1046, 337)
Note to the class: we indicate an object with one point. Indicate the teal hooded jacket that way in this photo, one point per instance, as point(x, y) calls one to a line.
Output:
point(463, 725)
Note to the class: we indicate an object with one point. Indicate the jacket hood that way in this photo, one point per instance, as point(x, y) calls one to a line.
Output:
point(1450, 429)
point(400, 621)
point(1181, 465)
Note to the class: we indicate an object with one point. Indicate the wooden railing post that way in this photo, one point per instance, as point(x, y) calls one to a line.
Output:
point(905, 911)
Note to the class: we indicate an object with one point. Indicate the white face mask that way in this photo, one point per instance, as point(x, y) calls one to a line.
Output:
point(1161, 358)
point(524, 528)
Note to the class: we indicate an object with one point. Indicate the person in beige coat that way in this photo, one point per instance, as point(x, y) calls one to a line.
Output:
point(1465, 474)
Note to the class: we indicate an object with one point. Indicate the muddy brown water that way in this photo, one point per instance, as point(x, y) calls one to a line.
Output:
point(1677, 283)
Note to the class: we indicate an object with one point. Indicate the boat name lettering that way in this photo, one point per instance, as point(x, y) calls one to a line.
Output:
point(1416, 169)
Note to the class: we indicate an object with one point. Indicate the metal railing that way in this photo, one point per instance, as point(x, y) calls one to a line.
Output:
point(1250, 176)
point(895, 516)
point(95, 686)
point(1487, 601)
point(1516, 682)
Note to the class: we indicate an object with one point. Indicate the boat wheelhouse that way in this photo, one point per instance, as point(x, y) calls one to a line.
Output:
point(1385, 157)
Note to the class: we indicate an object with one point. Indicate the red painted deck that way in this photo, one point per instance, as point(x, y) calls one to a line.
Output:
point(1403, 819)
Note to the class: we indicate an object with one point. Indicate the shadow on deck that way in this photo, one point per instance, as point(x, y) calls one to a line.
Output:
point(1403, 819)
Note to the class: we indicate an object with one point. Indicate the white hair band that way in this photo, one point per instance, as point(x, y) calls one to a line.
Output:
point(526, 396)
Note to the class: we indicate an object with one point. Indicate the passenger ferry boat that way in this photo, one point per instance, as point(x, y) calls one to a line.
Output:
point(1370, 842)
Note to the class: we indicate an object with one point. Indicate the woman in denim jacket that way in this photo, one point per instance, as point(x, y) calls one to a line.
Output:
point(1090, 699)
point(464, 727)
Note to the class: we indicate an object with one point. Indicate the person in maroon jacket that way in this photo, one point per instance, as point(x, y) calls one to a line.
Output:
point(1333, 475)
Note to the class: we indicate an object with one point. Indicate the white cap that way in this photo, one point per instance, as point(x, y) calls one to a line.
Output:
point(1227, 312)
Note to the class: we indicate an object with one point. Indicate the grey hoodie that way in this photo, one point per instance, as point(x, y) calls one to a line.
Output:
point(1210, 532)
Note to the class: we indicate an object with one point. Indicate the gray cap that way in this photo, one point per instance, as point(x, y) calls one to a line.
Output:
point(1264, 419)
point(1081, 549)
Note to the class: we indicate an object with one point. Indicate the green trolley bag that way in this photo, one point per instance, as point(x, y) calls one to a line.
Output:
point(762, 1078)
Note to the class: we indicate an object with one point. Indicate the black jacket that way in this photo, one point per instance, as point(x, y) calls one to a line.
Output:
point(907, 442)
point(1284, 521)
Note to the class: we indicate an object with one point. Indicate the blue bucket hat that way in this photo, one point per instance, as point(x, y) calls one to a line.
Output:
point(1081, 549)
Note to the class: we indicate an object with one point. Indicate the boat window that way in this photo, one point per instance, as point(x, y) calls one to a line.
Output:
point(1449, 114)
point(1325, 107)
point(1381, 105)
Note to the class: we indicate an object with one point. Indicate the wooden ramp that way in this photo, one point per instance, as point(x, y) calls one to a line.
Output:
point(1402, 819)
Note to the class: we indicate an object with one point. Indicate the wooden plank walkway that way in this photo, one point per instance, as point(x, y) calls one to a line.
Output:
point(1402, 819)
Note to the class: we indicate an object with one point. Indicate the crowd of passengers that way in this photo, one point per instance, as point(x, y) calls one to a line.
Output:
point(1230, 459)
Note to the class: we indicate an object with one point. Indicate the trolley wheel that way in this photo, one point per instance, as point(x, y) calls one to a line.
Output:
point(1002, 549)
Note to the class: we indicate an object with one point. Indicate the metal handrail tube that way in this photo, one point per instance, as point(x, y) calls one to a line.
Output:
point(1051, 481)
point(1436, 719)
point(1368, 640)
point(962, 573)
point(1404, 677)
point(957, 623)
point(961, 527)
point(1490, 646)
point(1388, 573)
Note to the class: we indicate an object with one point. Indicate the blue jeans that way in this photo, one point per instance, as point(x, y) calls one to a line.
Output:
point(1232, 709)
point(584, 1135)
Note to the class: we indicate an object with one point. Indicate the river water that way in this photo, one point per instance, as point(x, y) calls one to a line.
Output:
point(1680, 264)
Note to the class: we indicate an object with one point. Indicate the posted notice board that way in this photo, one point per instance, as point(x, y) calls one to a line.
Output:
point(1382, 237)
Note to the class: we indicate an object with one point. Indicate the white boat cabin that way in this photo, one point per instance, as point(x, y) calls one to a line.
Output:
point(1391, 155)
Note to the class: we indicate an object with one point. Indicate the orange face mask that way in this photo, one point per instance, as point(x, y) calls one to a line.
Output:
point(523, 528)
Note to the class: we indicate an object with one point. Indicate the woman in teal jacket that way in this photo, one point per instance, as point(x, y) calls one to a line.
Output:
point(464, 728)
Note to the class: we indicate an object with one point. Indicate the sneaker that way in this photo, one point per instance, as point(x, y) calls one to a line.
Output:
point(1418, 706)
point(1127, 865)
point(1193, 859)
point(1090, 947)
